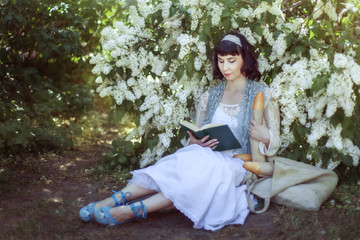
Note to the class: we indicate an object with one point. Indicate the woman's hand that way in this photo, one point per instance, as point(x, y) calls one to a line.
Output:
point(202, 142)
point(259, 132)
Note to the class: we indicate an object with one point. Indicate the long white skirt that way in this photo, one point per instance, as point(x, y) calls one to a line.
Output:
point(203, 184)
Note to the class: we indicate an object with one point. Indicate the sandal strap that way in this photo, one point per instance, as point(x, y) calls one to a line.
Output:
point(136, 210)
point(122, 200)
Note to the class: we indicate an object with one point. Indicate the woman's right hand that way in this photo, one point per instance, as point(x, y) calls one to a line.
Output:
point(203, 142)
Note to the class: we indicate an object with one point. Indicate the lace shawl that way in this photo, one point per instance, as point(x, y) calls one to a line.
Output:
point(210, 101)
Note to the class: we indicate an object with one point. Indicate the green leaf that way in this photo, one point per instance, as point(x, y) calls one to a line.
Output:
point(207, 28)
point(312, 34)
point(226, 22)
point(347, 160)
point(319, 83)
point(133, 160)
point(179, 72)
point(122, 159)
point(173, 10)
point(338, 117)
point(112, 154)
point(258, 30)
point(111, 116)
point(116, 143)
point(299, 49)
point(137, 120)
point(128, 147)
point(119, 114)
point(190, 65)
point(226, 13)
point(203, 37)
point(329, 27)
point(230, 4)
point(311, 21)
point(270, 19)
point(150, 144)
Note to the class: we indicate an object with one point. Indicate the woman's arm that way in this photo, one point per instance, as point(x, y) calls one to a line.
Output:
point(200, 109)
point(202, 142)
point(199, 121)
point(268, 133)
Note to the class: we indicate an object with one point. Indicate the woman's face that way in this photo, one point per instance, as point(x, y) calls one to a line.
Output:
point(230, 66)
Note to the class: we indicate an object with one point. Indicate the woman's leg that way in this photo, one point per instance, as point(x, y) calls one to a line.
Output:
point(135, 191)
point(154, 203)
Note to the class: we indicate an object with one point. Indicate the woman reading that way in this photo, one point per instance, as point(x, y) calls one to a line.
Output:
point(204, 184)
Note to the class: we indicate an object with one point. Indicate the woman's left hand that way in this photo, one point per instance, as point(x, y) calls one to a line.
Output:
point(259, 132)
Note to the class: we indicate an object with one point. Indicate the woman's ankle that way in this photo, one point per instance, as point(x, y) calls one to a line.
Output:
point(108, 202)
point(122, 213)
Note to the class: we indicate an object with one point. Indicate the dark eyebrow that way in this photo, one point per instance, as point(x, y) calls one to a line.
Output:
point(232, 57)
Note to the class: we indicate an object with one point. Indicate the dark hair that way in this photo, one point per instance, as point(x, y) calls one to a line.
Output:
point(223, 48)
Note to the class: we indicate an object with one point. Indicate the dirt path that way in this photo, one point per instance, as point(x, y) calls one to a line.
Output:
point(41, 199)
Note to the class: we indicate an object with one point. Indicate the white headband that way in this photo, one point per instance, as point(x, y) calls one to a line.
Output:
point(233, 39)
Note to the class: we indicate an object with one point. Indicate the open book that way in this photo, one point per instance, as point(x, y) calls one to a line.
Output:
point(221, 132)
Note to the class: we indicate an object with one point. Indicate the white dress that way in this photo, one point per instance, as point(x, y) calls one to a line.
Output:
point(203, 184)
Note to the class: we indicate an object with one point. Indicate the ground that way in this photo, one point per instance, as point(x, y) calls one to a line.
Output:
point(41, 196)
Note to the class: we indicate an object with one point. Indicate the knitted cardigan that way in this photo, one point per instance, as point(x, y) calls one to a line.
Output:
point(245, 115)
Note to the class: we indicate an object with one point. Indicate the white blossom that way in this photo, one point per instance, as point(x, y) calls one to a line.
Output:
point(137, 20)
point(146, 158)
point(279, 48)
point(354, 72)
point(318, 130)
point(275, 8)
point(268, 35)
point(294, 25)
point(176, 23)
point(164, 139)
point(335, 139)
point(262, 8)
point(331, 108)
point(164, 6)
point(318, 9)
point(263, 64)
point(216, 11)
point(350, 149)
point(332, 165)
point(202, 47)
point(144, 8)
point(196, 15)
point(245, 12)
point(98, 79)
point(197, 63)
point(330, 10)
point(158, 65)
point(340, 60)
point(249, 35)
point(107, 68)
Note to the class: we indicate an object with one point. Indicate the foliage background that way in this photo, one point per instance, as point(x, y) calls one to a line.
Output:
point(46, 79)
point(156, 63)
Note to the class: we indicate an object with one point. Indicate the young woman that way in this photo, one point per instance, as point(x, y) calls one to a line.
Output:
point(202, 183)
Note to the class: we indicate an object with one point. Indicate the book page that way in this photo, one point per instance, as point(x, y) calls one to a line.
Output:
point(190, 125)
point(210, 125)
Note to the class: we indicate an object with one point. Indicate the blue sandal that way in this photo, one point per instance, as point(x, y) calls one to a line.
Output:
point(87, 211)
point(103, 216)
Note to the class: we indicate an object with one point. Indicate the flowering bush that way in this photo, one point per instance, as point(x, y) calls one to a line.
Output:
point(157, 63)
